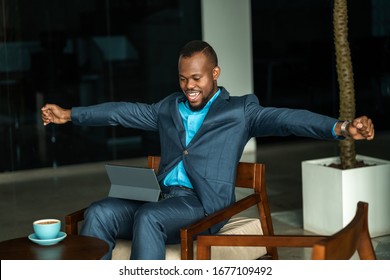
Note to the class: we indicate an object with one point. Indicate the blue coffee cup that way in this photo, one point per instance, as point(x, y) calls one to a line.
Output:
point(47, 228)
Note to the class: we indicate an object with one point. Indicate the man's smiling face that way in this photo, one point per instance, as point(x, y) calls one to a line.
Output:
point(198, 79)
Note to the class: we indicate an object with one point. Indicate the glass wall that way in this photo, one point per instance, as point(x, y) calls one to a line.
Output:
point(76, 53)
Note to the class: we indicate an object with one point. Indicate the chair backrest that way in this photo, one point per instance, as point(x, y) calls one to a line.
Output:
point(353, 237)
point(252, 175)
point(154, 162)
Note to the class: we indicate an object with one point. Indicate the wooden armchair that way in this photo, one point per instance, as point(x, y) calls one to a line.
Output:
point(340, 246)
point(249, 175)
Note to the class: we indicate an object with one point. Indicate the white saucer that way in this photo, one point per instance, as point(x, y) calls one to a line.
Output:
point(47, 242)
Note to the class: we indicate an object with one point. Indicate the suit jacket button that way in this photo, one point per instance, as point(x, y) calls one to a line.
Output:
point(185, 152)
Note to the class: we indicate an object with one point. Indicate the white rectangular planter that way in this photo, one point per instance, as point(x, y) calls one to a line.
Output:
point(330, 195)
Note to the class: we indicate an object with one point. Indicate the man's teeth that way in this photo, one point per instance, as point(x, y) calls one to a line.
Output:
point(192, 93)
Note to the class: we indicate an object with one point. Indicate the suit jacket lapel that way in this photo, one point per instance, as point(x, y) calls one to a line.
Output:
point(176, 118)
point(218, 105)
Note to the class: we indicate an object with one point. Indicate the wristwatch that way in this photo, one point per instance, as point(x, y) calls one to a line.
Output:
point(343, 130)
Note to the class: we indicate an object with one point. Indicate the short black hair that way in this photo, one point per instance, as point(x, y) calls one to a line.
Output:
point(197, 46)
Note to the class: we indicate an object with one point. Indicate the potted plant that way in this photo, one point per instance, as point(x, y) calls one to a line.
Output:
point(332, 186)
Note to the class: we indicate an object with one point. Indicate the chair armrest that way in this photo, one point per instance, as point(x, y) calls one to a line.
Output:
point(72, 220)
point(188, 233)
point(205, 242)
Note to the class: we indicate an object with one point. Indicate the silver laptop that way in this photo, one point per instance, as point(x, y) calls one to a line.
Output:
point(136, 183)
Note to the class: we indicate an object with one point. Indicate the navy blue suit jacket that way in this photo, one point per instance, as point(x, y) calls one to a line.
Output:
point(211, 157)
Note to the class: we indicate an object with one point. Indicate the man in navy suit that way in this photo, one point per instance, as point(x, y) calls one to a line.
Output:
point(203, 131)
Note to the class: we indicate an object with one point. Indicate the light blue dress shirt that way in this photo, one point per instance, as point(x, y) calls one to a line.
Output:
point(192, 120)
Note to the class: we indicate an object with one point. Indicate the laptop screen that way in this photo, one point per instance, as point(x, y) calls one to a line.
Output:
point(136, 183)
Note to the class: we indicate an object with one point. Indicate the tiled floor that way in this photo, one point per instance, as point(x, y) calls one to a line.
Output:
point(29, 195)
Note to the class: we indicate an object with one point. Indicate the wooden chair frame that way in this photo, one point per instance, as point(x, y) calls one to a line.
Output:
point(353, 237)
point(249, 175)
point(342, 245)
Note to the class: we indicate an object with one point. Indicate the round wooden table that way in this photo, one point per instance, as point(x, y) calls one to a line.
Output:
point(73, 247)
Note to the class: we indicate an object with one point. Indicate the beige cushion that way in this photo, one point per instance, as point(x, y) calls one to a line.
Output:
point(236, 225)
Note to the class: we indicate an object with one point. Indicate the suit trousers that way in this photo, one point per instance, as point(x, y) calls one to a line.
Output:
point(150, 225)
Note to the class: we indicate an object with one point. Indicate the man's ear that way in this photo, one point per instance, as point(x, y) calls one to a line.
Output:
point(216, 72)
